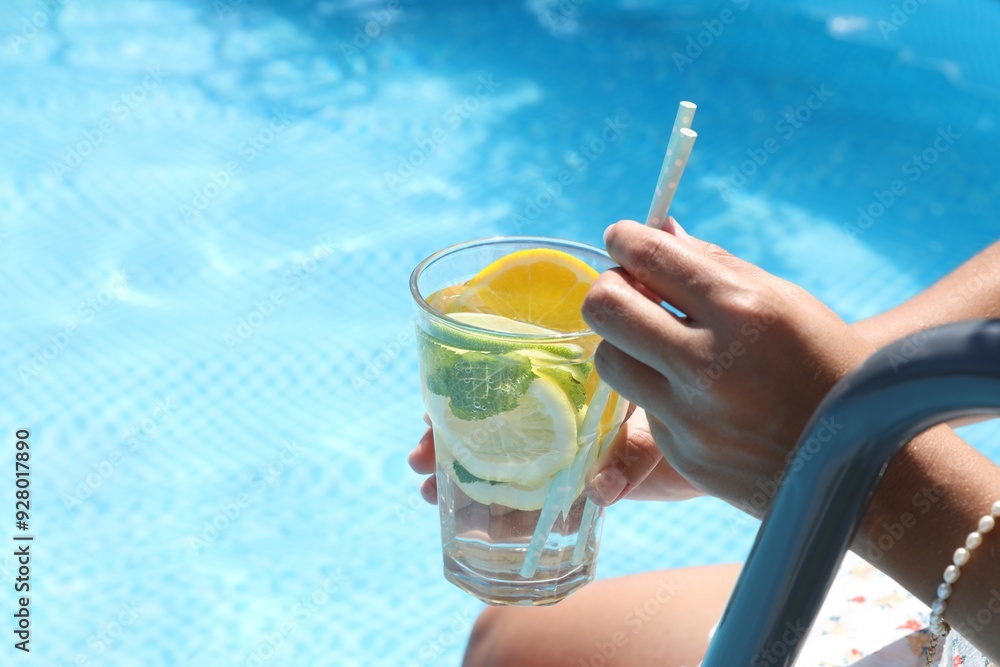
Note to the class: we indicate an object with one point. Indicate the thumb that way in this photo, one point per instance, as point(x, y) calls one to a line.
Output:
point(628, 460)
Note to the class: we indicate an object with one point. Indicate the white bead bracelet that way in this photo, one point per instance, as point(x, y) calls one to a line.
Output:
point(951, 574)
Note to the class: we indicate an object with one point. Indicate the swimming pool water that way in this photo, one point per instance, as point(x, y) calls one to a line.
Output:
point(209, 212)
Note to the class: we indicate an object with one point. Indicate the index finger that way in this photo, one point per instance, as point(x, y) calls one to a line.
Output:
point(672, 268)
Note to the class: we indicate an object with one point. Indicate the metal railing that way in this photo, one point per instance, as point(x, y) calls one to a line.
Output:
point(903, 389)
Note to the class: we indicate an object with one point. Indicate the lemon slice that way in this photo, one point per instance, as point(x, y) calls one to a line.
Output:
point(511, 495)
point(525, 445)
point(502, 324)
point(490, 322)
point(539, 286)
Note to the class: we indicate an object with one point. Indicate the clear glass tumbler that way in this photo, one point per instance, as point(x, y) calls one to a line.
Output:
point(519, 415)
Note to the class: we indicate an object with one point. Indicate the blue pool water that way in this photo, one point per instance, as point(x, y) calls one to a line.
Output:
point(208, 214)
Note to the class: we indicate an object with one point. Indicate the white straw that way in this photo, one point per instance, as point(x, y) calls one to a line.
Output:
point(590, 508)
point(579, 549)
point(678, 150)
point(560, 496)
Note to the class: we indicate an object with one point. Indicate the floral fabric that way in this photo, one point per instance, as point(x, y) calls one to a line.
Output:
point(958, 652)
point(868, 620)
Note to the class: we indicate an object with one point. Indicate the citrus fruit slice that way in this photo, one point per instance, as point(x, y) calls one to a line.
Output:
point(502, 324)
point(539, 286)
point(508, 494)
point(490, 322)
point(525, 445)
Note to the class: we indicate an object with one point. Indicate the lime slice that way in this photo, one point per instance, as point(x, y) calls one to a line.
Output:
point(525, 445)
point(484, 343)
point(515, 496)
point(572, 387)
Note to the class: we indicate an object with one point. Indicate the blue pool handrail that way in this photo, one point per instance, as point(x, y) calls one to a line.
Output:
point(903, 389)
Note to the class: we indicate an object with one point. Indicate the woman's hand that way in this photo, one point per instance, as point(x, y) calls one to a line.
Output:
point(422, 462)
point(729, 387)
point(633, 467)
point(632, 451)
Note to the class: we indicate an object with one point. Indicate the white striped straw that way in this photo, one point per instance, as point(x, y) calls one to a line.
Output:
point(589, 507)
point(560, 496)
point(678, 150)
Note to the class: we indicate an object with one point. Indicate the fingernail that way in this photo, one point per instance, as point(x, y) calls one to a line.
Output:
point(609, 484)
point(606, 232)
point(675, 228)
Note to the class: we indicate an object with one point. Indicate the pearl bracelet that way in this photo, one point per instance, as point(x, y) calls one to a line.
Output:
point(951, 573)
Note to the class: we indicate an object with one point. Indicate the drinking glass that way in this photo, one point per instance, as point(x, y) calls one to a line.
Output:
point(519, 415)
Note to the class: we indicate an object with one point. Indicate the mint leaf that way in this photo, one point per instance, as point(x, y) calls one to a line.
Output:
point(572, 387)
point(466, 477)
point(482, 384)
point(437, 362)
point(581, 370)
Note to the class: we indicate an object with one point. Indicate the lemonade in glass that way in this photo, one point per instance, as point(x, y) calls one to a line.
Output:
point(517, 410)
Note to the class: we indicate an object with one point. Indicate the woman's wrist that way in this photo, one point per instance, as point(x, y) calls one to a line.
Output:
point(931, 497)
point(971, 291)
point(887, 327)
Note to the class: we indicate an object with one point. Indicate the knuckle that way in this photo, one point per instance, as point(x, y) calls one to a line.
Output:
point(648, 256)
point(744, 302)
point(641, 454)
point(602, 302)
point(717, 252)
point(644, 440)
